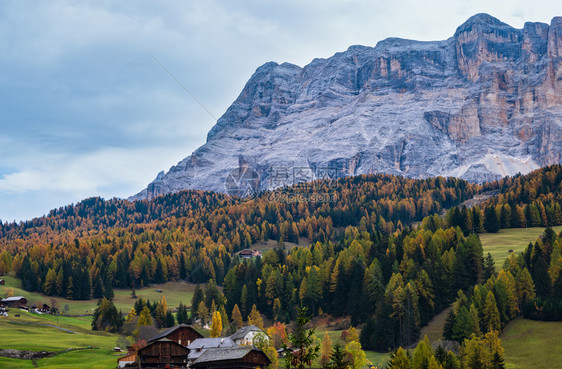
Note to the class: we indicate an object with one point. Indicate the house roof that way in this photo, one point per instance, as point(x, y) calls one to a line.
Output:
point(14, 298)
point(242, 332)
point(223, 354)
point(166, 332)
point(161, 340)
point(215, 342)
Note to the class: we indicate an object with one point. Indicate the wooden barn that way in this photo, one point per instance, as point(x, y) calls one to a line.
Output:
point(183, 334)
point(15, 301)
point(240, 357)
point(163, 353)
point(2, 282)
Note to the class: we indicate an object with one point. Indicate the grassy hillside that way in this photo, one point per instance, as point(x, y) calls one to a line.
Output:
point(532, 344)
point(175, 293)
point(37, 333)
point(516, 239)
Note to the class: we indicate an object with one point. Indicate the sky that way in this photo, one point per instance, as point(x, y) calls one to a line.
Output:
point(87, 107)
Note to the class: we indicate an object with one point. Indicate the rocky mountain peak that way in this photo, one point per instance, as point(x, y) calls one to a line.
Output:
point(480, 105)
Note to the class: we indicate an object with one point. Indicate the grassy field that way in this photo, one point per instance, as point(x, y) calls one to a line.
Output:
point(175, 293)
point(516, 239)
point(93, 350)
point(530, 344)
point(434, 329)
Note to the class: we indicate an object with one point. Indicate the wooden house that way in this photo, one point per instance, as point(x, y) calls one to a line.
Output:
point(242, 357)
point(248, 254)
point(2, 282)
point(127, 360)
point(183, 334)
point(163, 353)
point(15, 301)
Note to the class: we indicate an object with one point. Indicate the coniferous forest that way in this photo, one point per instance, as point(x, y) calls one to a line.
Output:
point(389, 252)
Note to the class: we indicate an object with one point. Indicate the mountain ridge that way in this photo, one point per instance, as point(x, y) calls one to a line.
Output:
point(480, 105)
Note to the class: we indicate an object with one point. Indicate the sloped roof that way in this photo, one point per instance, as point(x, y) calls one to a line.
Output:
point(241, 333)
point(166, 332)
point(161, 340)
point(14, 298)
point(215, 342)
point(223, 354)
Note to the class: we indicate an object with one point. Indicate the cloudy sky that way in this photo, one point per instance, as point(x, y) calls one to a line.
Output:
point(85, 110)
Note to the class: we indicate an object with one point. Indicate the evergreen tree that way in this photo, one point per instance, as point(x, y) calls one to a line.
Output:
point(302, 340)
point(170, 321)
point(489, 267)
point(491, 221)
point(337, 359)
point(497, 361)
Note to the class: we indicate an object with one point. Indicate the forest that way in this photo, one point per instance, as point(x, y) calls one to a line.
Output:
point(389, 251)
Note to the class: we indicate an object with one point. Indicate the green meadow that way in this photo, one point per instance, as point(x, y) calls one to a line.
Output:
point(532, 344)
point(175, 293)
point(516, 239)
point(79, 348)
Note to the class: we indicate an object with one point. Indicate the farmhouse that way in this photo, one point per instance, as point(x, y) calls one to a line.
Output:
point(15, 301)
point(245, 335)
point(234, 357)
point(162, 353)
point(197, 347)
point(182, 334)
point(248, 254)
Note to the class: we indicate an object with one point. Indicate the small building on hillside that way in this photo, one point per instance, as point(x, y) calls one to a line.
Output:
point(183, 334)
point(248, 254)
point(245, 335)
point(197, 347)
point(240, 357)
point(2, 282)
point(127, 360)
point(163, 353)
point(15, 301)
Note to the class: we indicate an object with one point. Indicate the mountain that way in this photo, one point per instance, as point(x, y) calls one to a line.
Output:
point(483, 104)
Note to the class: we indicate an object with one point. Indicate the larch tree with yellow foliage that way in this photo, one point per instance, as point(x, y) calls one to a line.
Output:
point(216, 325)
point(255, 317)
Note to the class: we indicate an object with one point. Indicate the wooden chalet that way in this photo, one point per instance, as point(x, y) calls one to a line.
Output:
point(127, 361)
point(15, 301)
point(163, 353)
point(248, 254)
point(240, 357)
point(183, 334)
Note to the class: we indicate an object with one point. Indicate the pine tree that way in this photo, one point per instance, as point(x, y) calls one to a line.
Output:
point(497, 361)
point(170, 321)
point(302, 340)
point(337, 359)
point(491, 221)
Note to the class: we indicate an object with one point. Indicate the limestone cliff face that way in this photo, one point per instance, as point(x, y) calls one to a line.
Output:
point(485, 103)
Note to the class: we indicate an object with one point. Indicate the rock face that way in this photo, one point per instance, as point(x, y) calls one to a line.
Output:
point(483, 104)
